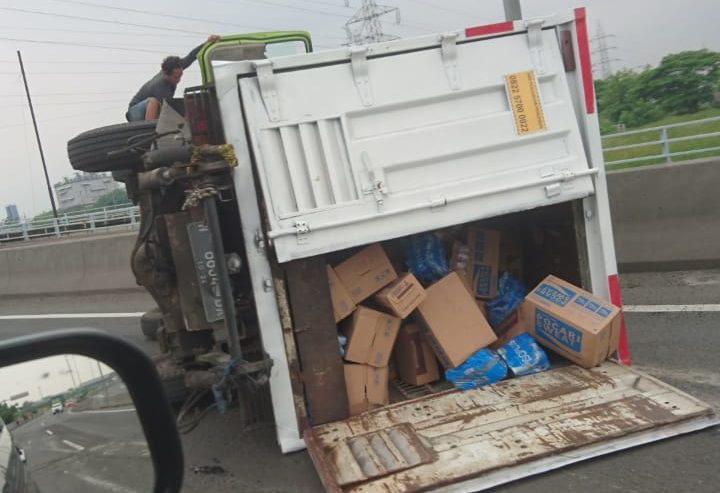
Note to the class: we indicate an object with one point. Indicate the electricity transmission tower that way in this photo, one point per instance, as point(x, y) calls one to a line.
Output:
point(603, 52)
point(365, 25)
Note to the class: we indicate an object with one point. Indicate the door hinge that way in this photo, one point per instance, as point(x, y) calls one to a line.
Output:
point(259, 241)
point(361, 74)
point(449, 54)
point(535, 43)
point(565, 175)
point(302, 228)
point(268, 88)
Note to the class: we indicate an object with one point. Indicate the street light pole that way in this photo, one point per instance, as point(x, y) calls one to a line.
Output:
point(37, 136)
point(513, 11)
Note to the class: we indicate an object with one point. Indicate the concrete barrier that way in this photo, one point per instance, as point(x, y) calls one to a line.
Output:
point(73, 265)
point(667, 216)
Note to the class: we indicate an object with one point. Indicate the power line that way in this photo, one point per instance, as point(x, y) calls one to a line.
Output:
point(84, 62)
point(118, 33)
point(105, 21)
point(53, 94)
point(66, 103)
point(84, 113)
point(83, 45)
point(162, 14)
point(438, 7)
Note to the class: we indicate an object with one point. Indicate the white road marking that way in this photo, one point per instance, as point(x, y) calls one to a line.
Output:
point(104, 411)
point(671, 308)
point(70, 316)
point(49, 432)
point(74, 445)
point(106, 485)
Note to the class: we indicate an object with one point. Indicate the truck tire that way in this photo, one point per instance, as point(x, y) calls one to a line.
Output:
point(89, 151)
point(150, 323)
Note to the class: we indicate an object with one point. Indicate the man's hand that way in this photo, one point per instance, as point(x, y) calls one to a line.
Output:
point(212, 38)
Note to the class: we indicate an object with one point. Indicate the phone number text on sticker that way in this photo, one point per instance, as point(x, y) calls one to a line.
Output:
point(522, 91)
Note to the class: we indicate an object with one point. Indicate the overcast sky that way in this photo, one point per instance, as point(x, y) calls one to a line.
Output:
point(78, 86)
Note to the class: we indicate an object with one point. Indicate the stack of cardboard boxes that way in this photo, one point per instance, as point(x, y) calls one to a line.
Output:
point(383, 314)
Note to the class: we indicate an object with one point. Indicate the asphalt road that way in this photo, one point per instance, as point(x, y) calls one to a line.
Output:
point(96, 451)
point(679, 348)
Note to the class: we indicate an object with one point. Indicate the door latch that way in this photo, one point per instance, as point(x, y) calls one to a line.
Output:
point(302, 228)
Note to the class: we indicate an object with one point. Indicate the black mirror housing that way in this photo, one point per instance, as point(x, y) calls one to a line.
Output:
point(140, 377)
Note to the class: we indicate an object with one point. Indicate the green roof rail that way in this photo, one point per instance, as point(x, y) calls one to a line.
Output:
point(263, 39)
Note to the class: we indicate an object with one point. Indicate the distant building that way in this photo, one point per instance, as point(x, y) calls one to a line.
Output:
point(83, 189)
point(11, 211)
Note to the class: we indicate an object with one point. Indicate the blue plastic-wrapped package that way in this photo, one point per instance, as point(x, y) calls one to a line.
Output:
point(425, 257)
point(523, 356)
point(511, 293)
point(482, 368)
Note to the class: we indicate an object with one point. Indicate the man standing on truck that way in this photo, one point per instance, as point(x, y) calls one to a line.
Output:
point(145, 105)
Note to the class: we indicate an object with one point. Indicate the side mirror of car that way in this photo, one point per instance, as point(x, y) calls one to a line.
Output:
point(105, 377)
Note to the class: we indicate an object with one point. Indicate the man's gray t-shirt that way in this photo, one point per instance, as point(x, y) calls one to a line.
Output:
point(159, 88)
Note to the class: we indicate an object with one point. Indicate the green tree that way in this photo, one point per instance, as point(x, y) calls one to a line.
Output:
point(8, 413)
point(116, 197)
point(684, 82)
point(622, 100)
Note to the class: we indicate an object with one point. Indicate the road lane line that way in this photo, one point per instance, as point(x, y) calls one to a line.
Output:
point(70, 316)
point(49, 432)
point(671, 308)
point(106, 485)
point(74, 445)
point(106, 411)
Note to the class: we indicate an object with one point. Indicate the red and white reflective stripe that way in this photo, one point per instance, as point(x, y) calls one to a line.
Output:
point(585, 63)
point(623, 350)
point(488, 29)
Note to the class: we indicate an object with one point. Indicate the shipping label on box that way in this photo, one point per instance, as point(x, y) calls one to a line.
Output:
point(343, 305)
point(366, 272)
point(402, 295)
point(452, 321)
point(371, 336)
point(574, 323)
point(483, 262)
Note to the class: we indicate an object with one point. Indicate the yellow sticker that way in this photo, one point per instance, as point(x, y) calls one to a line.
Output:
point(522, 90)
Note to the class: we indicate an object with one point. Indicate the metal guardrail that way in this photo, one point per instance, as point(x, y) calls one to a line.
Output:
point(663, 141)
point(88, 221)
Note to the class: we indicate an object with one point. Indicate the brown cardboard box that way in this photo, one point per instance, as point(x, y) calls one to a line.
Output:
point(371, 336)
point(416, 363)
point(342, 303)
point(575, 324)
point(402, 295)
point(367, 387)
point(366, 272)
point(483, 261)
point(516, 323)
point(452, 322)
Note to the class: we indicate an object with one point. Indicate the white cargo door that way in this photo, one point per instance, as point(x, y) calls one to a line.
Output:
point(470, 441)
point(382, 143)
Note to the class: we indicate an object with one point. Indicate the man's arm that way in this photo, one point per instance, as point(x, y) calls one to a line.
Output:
point(188, 60)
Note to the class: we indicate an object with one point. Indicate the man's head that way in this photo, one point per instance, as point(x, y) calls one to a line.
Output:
point(172, 69)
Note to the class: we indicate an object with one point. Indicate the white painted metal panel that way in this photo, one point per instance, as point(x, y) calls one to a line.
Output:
point(352, 160)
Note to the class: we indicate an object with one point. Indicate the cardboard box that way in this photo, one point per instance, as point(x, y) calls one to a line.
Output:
point(402, 295)
point(452, 322)
point(575, 324)
point(366, 272)
point(483, 261)
point(367, 387)
point(416, 363)
point(371, 336)
point(516, 323)
point(342, 303)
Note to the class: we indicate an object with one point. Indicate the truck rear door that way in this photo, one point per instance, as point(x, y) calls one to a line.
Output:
point(370, 143)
